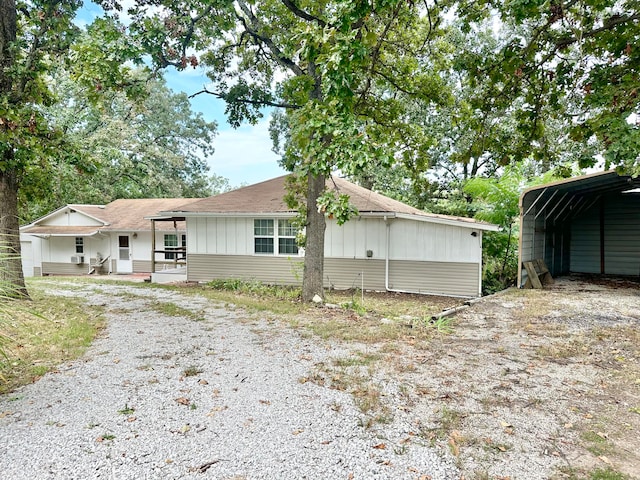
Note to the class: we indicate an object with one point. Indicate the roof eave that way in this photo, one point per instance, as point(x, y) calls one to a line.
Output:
point(471, 223)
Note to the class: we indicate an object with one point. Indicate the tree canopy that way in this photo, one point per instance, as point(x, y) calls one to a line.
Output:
point(153, 146)
point(337, 68)
point(414, 98)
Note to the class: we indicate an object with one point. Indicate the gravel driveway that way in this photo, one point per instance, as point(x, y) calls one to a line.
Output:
point(169, 397)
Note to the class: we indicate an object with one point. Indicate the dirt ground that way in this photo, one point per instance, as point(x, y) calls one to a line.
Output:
point(530, 384)
point(524, 384)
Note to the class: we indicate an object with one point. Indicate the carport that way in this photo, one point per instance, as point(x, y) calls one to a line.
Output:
point(588, 224)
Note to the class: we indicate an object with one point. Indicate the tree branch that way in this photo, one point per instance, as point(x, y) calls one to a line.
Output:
point(253, 30)
point(262, 103)
point(293, 8)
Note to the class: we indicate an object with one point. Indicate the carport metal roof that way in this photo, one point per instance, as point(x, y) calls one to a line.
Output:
point(561, 201)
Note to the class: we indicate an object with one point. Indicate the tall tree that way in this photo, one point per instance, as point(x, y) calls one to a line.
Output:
point(336, 66)
point(29, 36)
point(579, 58)
point(132, 148)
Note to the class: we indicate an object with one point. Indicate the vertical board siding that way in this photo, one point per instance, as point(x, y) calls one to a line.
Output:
point(621, 237)
point(585, 242)
point(425, 241)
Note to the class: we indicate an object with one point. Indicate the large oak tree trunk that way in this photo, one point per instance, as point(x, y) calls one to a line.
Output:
point(11, 276)
point(314, 251)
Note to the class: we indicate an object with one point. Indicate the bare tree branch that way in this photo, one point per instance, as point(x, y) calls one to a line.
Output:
point(262, 103)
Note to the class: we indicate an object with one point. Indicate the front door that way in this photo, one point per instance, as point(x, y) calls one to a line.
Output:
point(124, 263)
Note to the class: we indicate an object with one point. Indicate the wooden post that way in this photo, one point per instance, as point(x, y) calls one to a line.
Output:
point(153, 246)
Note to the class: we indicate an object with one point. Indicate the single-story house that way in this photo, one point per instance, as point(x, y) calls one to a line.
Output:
point(112, 238)
point(248, 233)
point(587, 224)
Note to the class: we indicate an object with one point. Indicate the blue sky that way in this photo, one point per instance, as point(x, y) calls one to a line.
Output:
point(242, 155)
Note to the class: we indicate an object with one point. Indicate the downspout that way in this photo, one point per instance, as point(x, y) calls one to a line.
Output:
point(386, 270)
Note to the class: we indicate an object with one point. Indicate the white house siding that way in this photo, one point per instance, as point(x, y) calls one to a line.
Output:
point(423, 257)
point(221, 236)
point(67, 218)
point(434, 242)
point(61, 249)
point(26, 249)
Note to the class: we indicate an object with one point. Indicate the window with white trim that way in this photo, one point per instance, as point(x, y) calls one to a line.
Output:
point(171, 243)
point(79, 245)
point(263, 234)
point(287, 244)
point(267, 233)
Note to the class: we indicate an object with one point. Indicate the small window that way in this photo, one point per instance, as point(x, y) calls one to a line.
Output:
point(79, 245)
point(170, 243)
point(287, 244)
point(263, 236)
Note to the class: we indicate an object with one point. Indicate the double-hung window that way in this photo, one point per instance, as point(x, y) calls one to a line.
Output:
point(263, 235)
point(287, 238)
point(267, 233)
point(171, 243)
point(79, 245)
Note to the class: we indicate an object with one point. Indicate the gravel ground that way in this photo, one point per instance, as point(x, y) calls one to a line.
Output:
point(134, 407)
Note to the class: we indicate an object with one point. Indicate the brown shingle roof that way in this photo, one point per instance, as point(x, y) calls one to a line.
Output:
point(119, 215)
point(267, 197)
point(263, 197)
point(128, 214)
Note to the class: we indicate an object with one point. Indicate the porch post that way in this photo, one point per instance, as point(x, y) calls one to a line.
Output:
point(153, 246)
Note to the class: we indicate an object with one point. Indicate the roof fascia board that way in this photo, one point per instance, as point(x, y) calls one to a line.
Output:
point(76, 208)
point(48, 215)
point(450, 221)
point(163, 215)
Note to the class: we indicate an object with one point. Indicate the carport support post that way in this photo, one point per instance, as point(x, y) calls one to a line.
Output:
point(602, 236)
point(153, 246)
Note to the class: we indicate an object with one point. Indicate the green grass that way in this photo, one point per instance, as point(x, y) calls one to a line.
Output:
point(127, 410)
point(41, 334)
point(172, 310)
point(595, 443)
